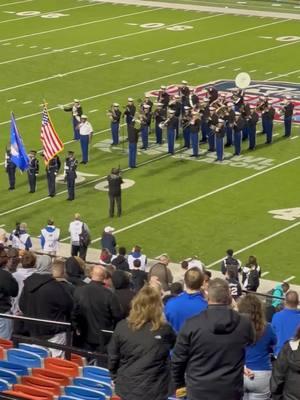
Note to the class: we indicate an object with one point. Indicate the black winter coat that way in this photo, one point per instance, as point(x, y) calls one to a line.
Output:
point(210, 354)
point(95, 308)
point(120, 262)
point(43, 297)
point(8, 288)
point(285, 381)
point(139, 361)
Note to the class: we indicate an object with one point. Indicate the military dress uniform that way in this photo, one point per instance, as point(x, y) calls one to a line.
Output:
point(204, 109)
point(184, 93)
point(133, 137)
point(86, 132)
point(252, 123)
point(77, 112)
point(52, 170)
point(212, 123)
point(163, 97)
point(129, 112)
point(194, 131)
point(229, 121)
point(220, 134)
point(245, 111)
point(177, 106)
point(238, 126)
point(145, 126)
point(160, 115)
point(32, 171)
point(288, 111)
point(269, 118)
point(115, 117)
point(186, 127)
point(10, 169)
point(172, 124)
point(70, 174)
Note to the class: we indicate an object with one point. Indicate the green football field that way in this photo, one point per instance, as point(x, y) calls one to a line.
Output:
point(103, 53)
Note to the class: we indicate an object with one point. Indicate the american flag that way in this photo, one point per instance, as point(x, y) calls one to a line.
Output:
point(52, 144)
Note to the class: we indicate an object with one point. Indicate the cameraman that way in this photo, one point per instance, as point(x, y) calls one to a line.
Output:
point(114, 191)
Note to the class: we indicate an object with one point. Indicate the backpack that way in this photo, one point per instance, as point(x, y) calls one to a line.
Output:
point(84, 237)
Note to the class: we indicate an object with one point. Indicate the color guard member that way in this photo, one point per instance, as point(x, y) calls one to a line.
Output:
point(70, 174)
point(33, 171)
point(52, 169)
point(10, 169)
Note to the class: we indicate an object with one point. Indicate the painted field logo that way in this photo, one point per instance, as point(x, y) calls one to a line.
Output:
point(276, 91)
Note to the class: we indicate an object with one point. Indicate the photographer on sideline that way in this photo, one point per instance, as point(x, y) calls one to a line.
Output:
point(114, 191)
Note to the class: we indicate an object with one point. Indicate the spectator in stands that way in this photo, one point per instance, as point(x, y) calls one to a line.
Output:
point(250, 274)
point(76, 229)
point(75, 271)
point(45, 298)
point(139, 350)
point(43, 264)
point(13, 260)
point(208, 357)
point(138, 277)
point(233, 263)
point(195, 262)
point(105, 257)
point(285, 382)
point(108, 241)
point(120, 261)
point(136, 254)
point(96, 308)
point(49, 238)
point(162, 272)
point(109, 271)
point(8, 289)
point(189, 303)
point(59, 274)
point(3, 238)
point(234, 285)
point(207, 278)
point(19, 237)
point(27, 268)
point(175, 290)
point(286, 322)
point(258, 365)
point(280, 291)
point(123, 291)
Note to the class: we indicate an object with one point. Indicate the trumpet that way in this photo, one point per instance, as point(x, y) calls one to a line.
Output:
point(111, 113)
point(163, 124)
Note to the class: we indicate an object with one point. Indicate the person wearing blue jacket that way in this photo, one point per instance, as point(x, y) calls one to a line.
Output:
point(286, 322)
point(258, 367)
point(189, 303)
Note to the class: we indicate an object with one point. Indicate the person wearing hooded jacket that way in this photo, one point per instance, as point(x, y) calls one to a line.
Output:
point(75, 271)
point(209, 354)
point(285, 382)
point(124, 293)
point(120, 261)
point(49, 238)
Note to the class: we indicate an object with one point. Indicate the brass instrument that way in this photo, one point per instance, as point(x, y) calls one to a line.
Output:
point(111, 113)
point(164, 124)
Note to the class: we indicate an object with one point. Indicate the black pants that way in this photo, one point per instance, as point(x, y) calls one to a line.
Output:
point(51, 178)
point(71, 187)
point(79, 250)
point(11, 172)
point(113, 199)
point(32, 182)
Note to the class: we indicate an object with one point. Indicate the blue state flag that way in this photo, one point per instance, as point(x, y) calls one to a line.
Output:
point(18, 153)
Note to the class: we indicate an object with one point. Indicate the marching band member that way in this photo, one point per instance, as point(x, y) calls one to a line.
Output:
point(70, 174)
point(238, 98)
point(212, 94)
point(193, 99)
point(171, 123)
point(220, 133)
point(262, 106)
point(186, 127)
point(145, 120)
point(237, 135)
point(163, 96)
point(229, 118)
point(10, 169)
point(33, 171)
point(77, 112)
point(184, 93)
point(52, 169)
point(212, 123)
point(147, 101)
point(288, 111)
point(159, 116)
point(86, 133)
point(245, 111)
point(115, 116)
point(130, 110)
point(194, 129)
point(269, 115)
point(252, 122)
point(176, 105)
point(133, 137)
point(204, 109)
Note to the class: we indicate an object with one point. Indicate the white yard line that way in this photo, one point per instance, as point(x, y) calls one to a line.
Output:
point(164, 77)
point(265, 273)
point(16, 2)
point(265, 239)
point(79, 70)
point(204, 196)
point(289, 279)
point(144, 31)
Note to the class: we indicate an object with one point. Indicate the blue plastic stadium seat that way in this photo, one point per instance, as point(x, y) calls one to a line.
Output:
point(67, 398)
point(23, 357)
point(97, 373)
point(18, 369)
point(94, 384)
point(4, 385)
point(9, 376)
point(39, 350)
point(84, 393)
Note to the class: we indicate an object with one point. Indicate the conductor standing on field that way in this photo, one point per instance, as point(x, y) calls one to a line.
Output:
point(114, 191)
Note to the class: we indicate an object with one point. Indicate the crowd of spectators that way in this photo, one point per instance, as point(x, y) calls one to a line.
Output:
point(199, 336)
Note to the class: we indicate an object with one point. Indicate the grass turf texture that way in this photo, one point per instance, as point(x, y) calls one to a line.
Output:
point(114, 60)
